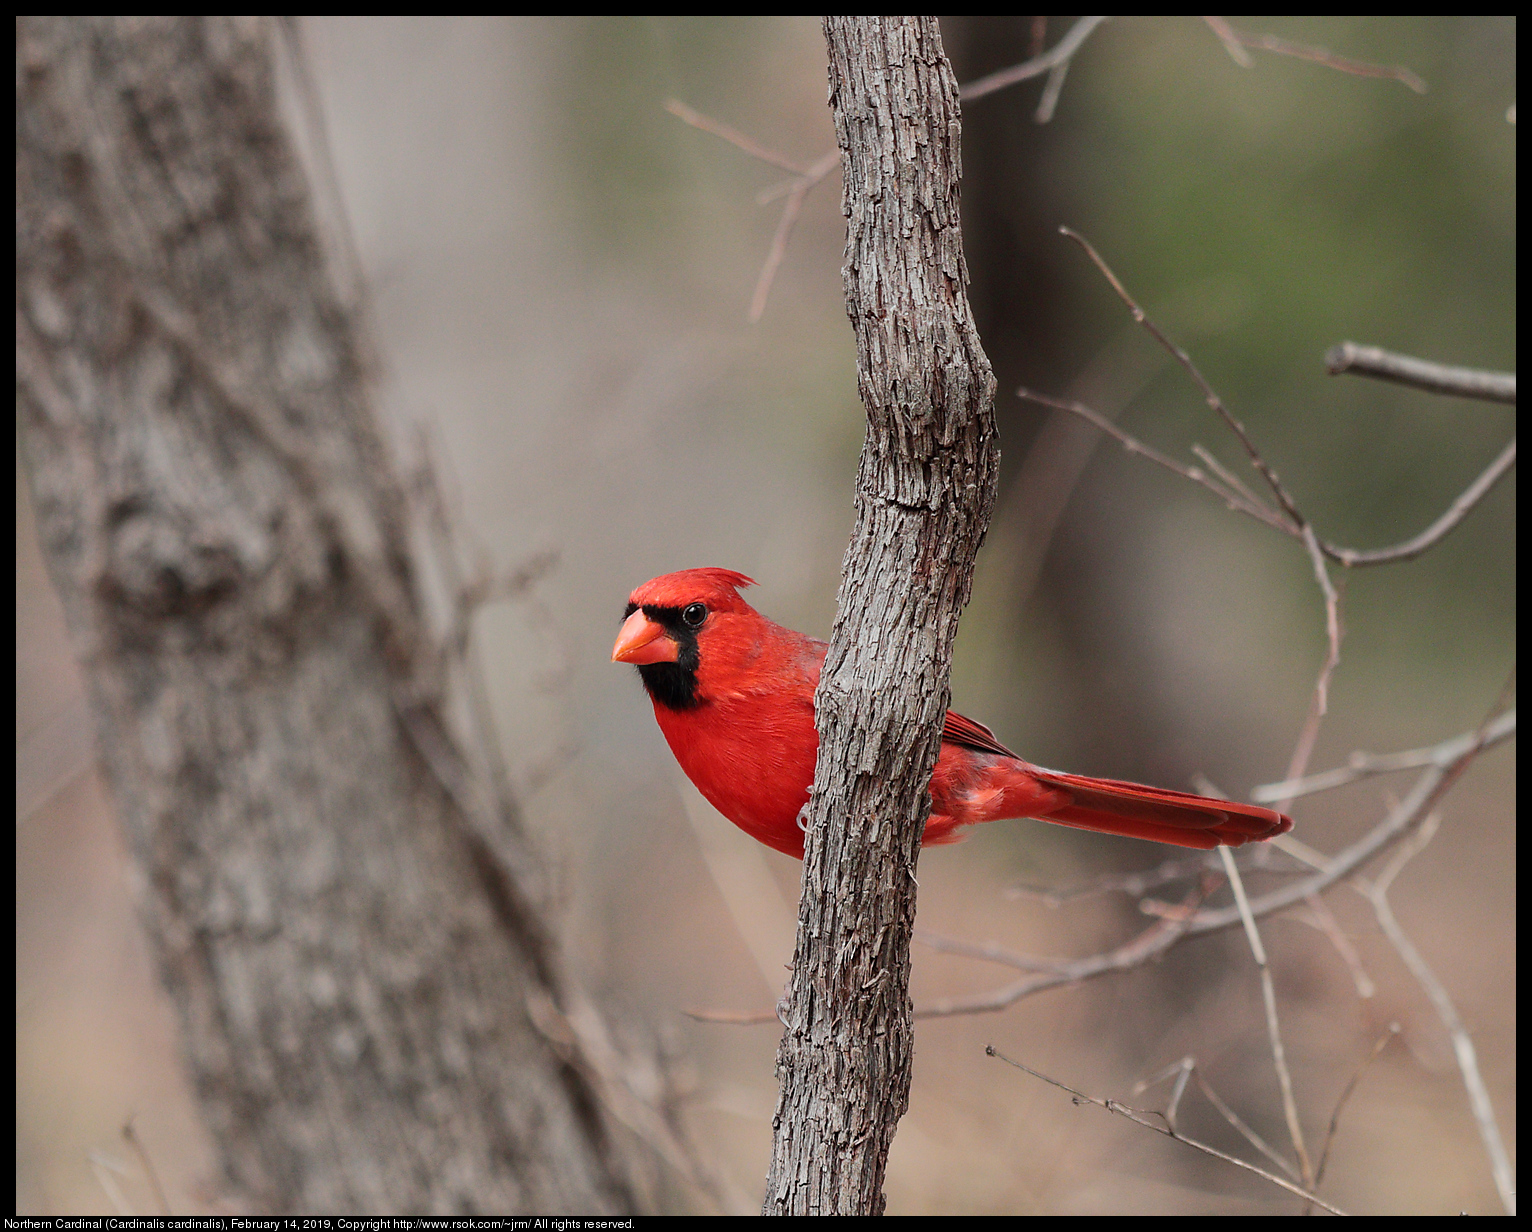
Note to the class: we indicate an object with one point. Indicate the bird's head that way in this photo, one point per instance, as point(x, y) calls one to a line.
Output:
point(664, 619)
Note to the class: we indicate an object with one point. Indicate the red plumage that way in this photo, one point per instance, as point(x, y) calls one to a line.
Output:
point(734, 694)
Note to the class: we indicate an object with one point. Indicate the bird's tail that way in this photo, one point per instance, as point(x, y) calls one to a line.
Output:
point(1157, 813)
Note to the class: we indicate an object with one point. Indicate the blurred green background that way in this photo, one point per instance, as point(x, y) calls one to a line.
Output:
point(559, 274)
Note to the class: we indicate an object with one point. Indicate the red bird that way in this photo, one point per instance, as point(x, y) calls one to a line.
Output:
point(734, 695)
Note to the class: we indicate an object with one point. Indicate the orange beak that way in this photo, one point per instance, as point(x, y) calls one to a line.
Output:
point(640, 640)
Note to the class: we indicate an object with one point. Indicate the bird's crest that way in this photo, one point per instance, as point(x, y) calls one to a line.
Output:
point(718, 588)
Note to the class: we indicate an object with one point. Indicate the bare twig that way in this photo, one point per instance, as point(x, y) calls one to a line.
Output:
point(1230, 41)
point(1039, 37)
point(1447, 762)
point(1035, 67)
point(1322, 918)
point(1236, 495)
point(1345, 1096)
point(1439, 529)
point(1133, 953)
point(1462, 1044)
point(790, 212)
point(1185, 360)
point(1452, 760)
point(1478, 383)
point(1225, 474)
point(1132, 1114)
point(1235, 41)
point(1261, 513)
point(732, 1018)
point(805, 177)
point(733, 136)
point(1186, 1069)
point(989, 952)
point(1178, 868)
point(1052, 88)
point(1365, 765)
point(1273, 1029)
point(1319, 703)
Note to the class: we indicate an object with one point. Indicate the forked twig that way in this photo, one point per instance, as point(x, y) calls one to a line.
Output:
point(733, 136)
point(1439, 529)
point(1365, 765)
point(1467, 1057)
point(1236, 495)
point(1111, 1105)
point(805, 177)
point(1345, 1097)
point(1035, 67)
point(1229, 495)
point(1186, 1069)
point(1273, 1029)
point(1185, 360)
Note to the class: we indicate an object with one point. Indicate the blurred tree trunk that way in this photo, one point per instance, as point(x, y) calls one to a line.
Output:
point(925, 489)
point(355, 967)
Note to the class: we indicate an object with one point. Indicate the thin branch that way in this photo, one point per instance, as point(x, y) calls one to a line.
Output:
point(1319, 703)
point(1477, 383)
point(1111, 1105)
point(790, 212)
point(989, 952)
point(1452, 761)
point(795, 189)
point(1345, 1097)
point(1332, 632)
point(1261, 513)
point(1210, 460)
point(733, 136)
point(1230, 41)
point(1052, 88)
point(1039, 36)
point(1365, 765)
point(1178, 868)
point(1239, 498)
point(1186, 1069)
point(1439, 529)
point(1132, 953)
point(1273, 1029)
point(1322, 918)
point(1245, 1131)
point(1462, 1044)
point(1295, 521)
point(733, 1018)
point(1035, 67)
point(1185, 360)
point(1235, 40)
point(1448, 762)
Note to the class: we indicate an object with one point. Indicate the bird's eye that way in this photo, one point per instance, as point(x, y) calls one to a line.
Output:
point(694, 615)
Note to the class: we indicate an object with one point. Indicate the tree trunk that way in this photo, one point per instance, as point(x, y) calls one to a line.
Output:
point(925, 488)
point(352, 964)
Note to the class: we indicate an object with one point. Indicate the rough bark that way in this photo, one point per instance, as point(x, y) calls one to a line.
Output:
point(352, 965)
point(925, 488)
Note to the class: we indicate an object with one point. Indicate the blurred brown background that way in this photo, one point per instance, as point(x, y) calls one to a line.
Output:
point(560, 272)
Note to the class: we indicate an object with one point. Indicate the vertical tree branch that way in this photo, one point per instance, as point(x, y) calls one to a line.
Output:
point(925, 489)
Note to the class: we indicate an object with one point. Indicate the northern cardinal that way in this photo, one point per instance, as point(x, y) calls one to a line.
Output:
point(734, 695)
